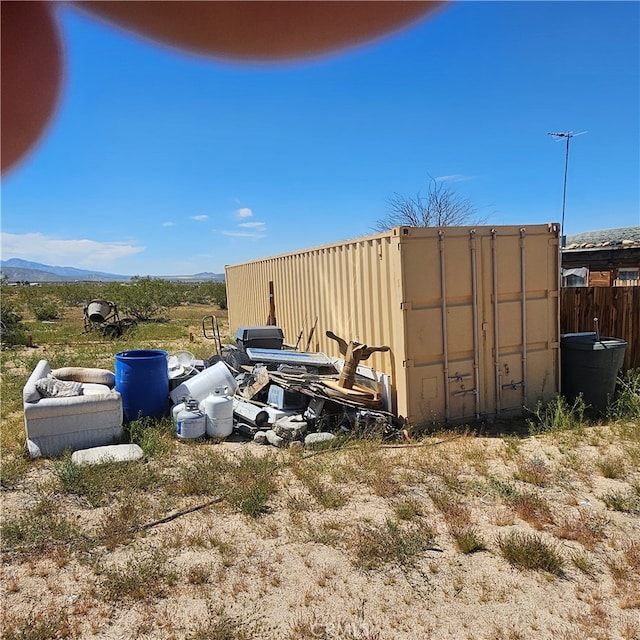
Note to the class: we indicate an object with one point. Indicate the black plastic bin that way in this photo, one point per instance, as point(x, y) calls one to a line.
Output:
point(590, 366)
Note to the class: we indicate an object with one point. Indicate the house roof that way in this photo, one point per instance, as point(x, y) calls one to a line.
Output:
point(624, 238)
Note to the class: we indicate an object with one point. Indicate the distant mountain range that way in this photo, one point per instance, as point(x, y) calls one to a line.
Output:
point(18, 270)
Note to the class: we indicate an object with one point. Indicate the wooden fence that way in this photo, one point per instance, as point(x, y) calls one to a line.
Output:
point(617, 310)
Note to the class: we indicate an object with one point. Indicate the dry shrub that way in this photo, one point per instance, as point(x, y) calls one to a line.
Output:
point(315, 478)
point(612, 466)
point(585, 528)
point(367, 464)
point(456, 514)
point(532, 508)
point(468, 539)
point(631, 553)
point(534, 471)
point(408, 509)
point(145, 577)
point(119, 524)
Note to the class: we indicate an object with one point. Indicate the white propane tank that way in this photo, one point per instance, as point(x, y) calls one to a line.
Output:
point(218, 407)
point(191, 422)
point(200, 385)
point(177, 408)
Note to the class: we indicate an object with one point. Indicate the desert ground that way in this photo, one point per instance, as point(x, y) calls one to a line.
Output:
point(235, 540)
point(513, 530)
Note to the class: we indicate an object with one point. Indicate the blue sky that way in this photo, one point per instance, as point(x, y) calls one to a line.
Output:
point(162, 163)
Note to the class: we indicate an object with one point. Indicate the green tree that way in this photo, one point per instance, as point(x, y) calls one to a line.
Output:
point(12, 330)
point(145, 297)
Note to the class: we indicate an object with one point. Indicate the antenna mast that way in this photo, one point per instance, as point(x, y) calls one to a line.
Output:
point(557, 136)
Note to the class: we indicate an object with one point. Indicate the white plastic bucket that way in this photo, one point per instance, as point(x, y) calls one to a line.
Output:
point(205, 382)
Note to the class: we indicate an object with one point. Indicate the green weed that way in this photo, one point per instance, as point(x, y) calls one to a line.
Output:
point(51, 624)
point(612, 466)
point(100, 483)
point(389, 543)
point(532, 508)
point(12, 470)
point(582, 562)
point(45, 309)
point(557, 415)
point(154, 436)
point(199, 574)
point(626, 405)
point(204, 476)
point(530, 551)
point(627, 501)
point(468, 539)
point(529, 505)
point(329, 533)
point(366, 464)
point(120, 524)
point(39, 529)
point(221, 626)
point(312, 474)
point(251, 483)
point(145, 577)
point(408, 509)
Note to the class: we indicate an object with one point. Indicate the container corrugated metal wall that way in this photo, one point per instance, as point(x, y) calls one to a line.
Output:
point(471, 314)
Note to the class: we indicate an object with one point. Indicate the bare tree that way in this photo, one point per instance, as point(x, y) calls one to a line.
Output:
point(441, 207)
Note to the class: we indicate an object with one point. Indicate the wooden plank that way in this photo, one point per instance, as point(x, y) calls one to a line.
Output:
point(617, 310)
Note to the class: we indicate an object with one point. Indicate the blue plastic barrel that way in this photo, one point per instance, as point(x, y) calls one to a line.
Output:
point(142, 378)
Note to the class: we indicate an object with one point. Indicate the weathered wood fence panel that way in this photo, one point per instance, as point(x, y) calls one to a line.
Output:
point(617, 310)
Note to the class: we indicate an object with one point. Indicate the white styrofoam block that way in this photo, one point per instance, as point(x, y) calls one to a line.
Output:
point(110, 453)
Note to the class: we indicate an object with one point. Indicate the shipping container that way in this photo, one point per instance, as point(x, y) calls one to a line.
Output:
point(471, 314)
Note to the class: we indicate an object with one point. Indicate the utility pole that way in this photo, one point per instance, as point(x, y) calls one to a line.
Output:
point(558, 136)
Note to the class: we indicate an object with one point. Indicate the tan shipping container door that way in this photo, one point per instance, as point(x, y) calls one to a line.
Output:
point(470, 313)
point(481, 320)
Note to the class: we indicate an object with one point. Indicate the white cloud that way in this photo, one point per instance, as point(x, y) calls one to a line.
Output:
point(252, 225)
point(201, 218)
point(456, 177)
point(244, 234)
point(243, 213)
point(168, 224)
point(56, 251)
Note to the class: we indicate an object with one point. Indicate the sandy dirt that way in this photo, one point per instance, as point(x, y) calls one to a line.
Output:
point(297, 570)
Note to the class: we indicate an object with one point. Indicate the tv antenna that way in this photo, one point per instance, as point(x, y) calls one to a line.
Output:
point(559, 136)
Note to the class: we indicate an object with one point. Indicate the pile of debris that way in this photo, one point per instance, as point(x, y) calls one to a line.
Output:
point(292, 398)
